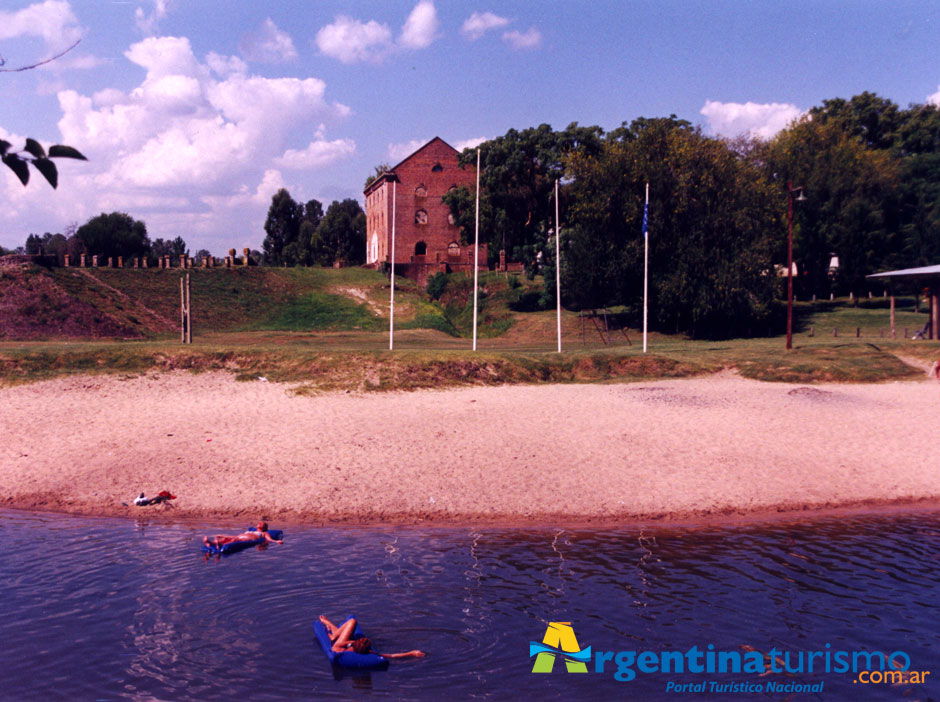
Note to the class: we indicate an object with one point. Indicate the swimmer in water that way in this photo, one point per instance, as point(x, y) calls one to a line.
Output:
point(221, 539)
point(341, 638)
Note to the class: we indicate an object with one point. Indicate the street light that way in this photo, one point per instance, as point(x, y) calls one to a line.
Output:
point(800, 198)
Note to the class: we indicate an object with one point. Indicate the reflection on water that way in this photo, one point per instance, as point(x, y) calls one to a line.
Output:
point(106, 609)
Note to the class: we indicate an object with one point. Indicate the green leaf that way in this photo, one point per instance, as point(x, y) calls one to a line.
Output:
point(18, 166)
point(48, 169)
point(61, 151)
point(4, 145)
point(35, 148)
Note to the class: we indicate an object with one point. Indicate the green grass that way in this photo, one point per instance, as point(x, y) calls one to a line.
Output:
point(328, 329)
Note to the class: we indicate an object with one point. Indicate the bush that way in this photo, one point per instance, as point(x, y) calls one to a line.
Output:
point(437, 284)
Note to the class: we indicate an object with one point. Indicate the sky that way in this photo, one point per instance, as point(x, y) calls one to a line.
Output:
point(193, 113)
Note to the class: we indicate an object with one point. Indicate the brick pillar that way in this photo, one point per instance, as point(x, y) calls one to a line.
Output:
point(166, 261)
point(110, 261)
point(182, 261)
point(82, 258)
point(94, 261)
point(245, 260)
point(66, 260)
point(136, 263)
point(120, 262)
point(143, 262)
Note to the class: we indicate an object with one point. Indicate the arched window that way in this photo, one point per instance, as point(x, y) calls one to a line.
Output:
point(421, 191)
point(421, 217)
point(437, 168)
point(421, 249)
point(453, 249)
point(450, 219)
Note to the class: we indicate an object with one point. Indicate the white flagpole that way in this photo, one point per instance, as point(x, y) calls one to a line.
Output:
point(557, 267)
point(391, 316)
point(476, 255)
point(646, 259)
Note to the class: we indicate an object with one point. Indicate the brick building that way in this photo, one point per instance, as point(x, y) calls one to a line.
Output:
point(426, 238)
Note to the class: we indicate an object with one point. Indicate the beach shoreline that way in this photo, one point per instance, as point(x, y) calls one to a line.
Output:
point(703, 451)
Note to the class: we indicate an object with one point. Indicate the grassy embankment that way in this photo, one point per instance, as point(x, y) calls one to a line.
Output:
point(328, 330)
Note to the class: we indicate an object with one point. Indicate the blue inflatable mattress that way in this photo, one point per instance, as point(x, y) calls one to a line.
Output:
point(235, 546)
point(347, 659)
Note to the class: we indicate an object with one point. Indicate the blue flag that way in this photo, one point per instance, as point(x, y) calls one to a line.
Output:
point(646, 207)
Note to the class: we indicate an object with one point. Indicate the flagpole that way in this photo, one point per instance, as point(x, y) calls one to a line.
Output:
point(391, 316)
point(557, 268)
point(646, 259)
point(476, 255)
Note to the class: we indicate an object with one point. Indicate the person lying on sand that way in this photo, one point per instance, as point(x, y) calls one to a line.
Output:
point(340, 636)
point(222, 539)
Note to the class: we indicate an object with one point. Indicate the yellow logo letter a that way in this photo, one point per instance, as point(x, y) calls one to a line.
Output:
point(559, 635)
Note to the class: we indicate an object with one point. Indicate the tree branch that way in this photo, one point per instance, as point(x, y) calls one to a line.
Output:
point(40, 63)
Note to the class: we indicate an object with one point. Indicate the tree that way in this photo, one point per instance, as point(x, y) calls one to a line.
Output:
point(378, 171)
point(710, 224)
point(518, 174)
point(852, 204)
point(114, 234)
point(341, 235)
point(290, 229)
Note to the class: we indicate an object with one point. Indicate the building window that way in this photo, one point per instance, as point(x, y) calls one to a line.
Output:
point(421, 249)
point(421, 217)
point(450, 219)
point(437, 168)
point(421, 191)
point(453, 249)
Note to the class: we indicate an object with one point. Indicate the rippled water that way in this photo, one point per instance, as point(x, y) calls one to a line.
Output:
point(107, 609)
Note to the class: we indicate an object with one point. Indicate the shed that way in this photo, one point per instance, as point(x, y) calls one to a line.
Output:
point(927, 276)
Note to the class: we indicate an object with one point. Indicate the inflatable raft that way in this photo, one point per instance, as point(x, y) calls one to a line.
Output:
point(347, 659)
point(236, 546)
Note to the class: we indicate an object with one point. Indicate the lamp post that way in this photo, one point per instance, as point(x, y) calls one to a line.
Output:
point(800, 198)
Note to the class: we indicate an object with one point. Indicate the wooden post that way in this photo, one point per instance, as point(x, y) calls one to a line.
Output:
point(186, 327)
point(182, 311)
point(934, 313)
point(812, 331)
point(189, 313)
point(894, 332)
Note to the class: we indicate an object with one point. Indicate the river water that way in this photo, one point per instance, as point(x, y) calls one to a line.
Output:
point(112, 609)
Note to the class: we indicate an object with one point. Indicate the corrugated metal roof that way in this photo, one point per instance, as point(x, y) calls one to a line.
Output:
point(922, 272)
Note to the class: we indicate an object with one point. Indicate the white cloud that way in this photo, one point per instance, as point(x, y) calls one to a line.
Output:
point(196, 148)
point(530, 39)
point(225, 66)
point(350, 40)
point(318, 154)
point(269, 45)
point(935, 98)
point(398, 152)
point(481, 22)
point(148, 23)
point(52, 21)
point(421, 27)
point(761, 120)
point(469, 143)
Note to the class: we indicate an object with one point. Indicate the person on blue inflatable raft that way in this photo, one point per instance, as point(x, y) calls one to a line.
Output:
point(221, 539)
point(340, 636)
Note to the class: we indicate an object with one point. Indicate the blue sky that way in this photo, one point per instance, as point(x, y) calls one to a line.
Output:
point(193, 113)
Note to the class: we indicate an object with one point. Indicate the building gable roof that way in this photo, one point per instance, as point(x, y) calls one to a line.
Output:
point(390, 173)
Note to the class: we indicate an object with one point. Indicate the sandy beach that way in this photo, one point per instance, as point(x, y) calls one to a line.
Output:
point(718, 445)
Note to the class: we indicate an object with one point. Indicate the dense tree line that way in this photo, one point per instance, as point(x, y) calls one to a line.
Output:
point(718, 209)
point(302, 235)
point(107, 234)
